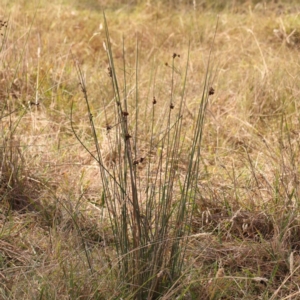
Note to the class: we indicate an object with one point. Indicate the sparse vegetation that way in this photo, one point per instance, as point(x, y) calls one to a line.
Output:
point(145, 157)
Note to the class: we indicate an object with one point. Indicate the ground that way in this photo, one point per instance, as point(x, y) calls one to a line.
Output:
point(149, 150)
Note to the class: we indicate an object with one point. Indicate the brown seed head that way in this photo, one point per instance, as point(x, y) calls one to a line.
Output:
point(127, 136)
point(211, 91)
point(109, 71)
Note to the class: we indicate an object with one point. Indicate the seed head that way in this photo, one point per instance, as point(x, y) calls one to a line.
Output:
point(211, 91)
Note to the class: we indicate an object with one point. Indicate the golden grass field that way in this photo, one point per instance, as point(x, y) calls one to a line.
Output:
point(56, 236)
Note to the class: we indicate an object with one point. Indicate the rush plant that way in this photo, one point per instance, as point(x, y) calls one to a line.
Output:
point(149, 199)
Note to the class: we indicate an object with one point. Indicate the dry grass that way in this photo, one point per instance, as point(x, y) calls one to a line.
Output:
point(245, 239)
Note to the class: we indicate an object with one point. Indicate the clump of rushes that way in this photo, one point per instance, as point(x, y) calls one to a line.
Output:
point(150, 210)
